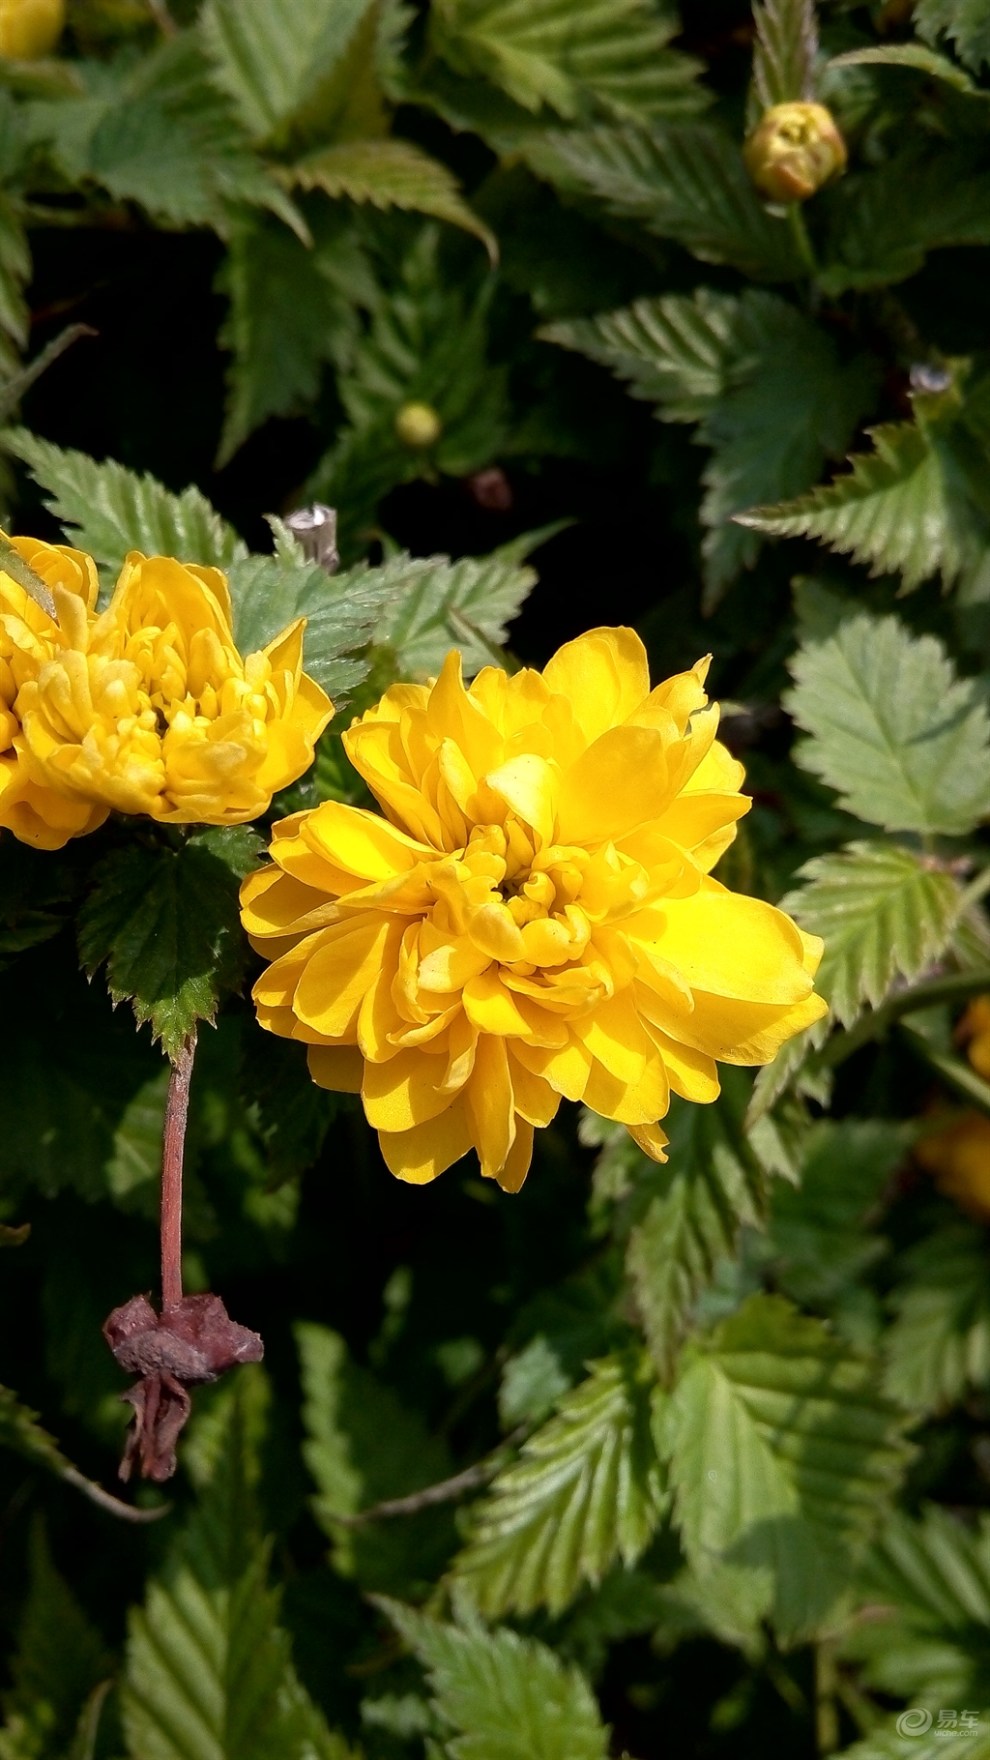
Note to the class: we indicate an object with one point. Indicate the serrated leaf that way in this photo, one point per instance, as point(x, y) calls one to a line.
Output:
point(883, 912)
point(388, 174)
point(938, 1345)
point(910, 55)
point(165, 923)
point(927, 1583)
point(783, 1457)
point(502, 1696)
point(208, 1675)
point(272, 56)
point(904, 507)
point(288, 318)
point(964, 22)
point(170, 141)
point(15, 268)
point(686, 182)
point(773, 397)
point(570, 55)
point(364, 1445)
point(585, 1492)
point(902, 739)
point(111, 510)
point(342, 611)
point(818, 1240)
point(920, 1741)
point(883, 223)
point(58, 1660)
point(36, 892)
point(691, 1212)
point(468, 605)
point(785, 51)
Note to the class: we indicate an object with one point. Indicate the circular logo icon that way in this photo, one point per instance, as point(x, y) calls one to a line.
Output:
point(914, 1722)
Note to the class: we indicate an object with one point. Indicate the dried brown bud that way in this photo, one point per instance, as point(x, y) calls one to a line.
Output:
point(794, 150)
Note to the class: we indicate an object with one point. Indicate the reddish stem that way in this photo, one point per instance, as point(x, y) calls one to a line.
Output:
point(173, 1144)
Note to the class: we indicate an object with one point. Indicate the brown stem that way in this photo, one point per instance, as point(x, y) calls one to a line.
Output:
point(173, 1145)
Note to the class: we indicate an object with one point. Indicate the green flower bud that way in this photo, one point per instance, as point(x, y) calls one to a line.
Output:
point(418, 426)
point(794, 150)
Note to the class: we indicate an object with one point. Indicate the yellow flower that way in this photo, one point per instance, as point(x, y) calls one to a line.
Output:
point(973, 1031)
point(30, 28)
point(958, 1157)
point(29, 806)
point(794, 150)
point(150, 708)
point(533, 919)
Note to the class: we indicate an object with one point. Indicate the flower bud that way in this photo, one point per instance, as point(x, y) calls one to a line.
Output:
point(30, 28)
point(418, 426)
point(794, 150)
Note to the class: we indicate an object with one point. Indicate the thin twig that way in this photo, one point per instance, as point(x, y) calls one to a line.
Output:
point(163, 18)
point(115, 1506)
point(953, 987)
point(173, 1145)
point(443, 1492)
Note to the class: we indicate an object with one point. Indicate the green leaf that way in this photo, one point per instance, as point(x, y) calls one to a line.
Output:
point(819, 1242)
point(363, 1446)
point(343, 611)
point(585, 1493)
point(884, 913)
point(165, 922)
point(882, 223)
point(502, 1696)
point(911, 55)
point(208, 1675)
point(964, 22)
point(570, 54)
point(686, 182)
point(907, 506)
point(927, 1584)
point(895, 1743)
point(36, 891)
point(783, 1458)
point(272, 57)
point(15, 269)
point(388, 174)
point(691, 1212)
point(468, 605)
point(896, 733)
point(167, 139)
point(938, 1345)
point(785, 51)
point(289, 316)
point(112, 510)
point(58, 1660)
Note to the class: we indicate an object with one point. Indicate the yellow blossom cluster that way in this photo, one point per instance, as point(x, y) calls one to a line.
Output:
point(533, 918)
point(146, 707)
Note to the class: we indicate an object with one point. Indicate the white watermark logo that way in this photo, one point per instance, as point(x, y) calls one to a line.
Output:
point(917, 1721)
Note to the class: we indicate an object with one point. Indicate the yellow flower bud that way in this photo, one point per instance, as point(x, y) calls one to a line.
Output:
point(30, 28)
point(794, 150)
point(418, 426)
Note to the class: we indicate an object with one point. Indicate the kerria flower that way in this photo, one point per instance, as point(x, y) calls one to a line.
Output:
point(957, 1151)
point(148, 707)
point(29, 640)
point(533, 918)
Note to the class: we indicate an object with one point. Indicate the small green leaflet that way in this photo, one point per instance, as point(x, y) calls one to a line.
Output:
point(938, 1346)
point(165, 922)
point(883, 913)
point(912, 55)
point(571, 55)
point(818, 1236)
point(502, 1696)
point(586, 1492)
point(113, 510)
point(467, 605)
point(901, 738)
point(273, 56)
point(783, 1457)
point(388, 174)
point(964, 22)
point(785, 51)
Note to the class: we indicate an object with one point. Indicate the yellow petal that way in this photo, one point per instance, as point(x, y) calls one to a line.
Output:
point(330, 989)
point(529, 785)
point(419, 1155)
point(340, 1067)
point(494, 933)
point(404, 1092)
point(362, 843)
point(273, 904)
point(489, 1108)
point(651, 1139)
point(617, 784)
point(641, 1102)
point(733, 946)
point(604, 675)
point(533, 1097)
point(515, 1167)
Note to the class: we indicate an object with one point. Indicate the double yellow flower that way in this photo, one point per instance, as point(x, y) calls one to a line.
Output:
point(146, 707)
point(532, 919)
